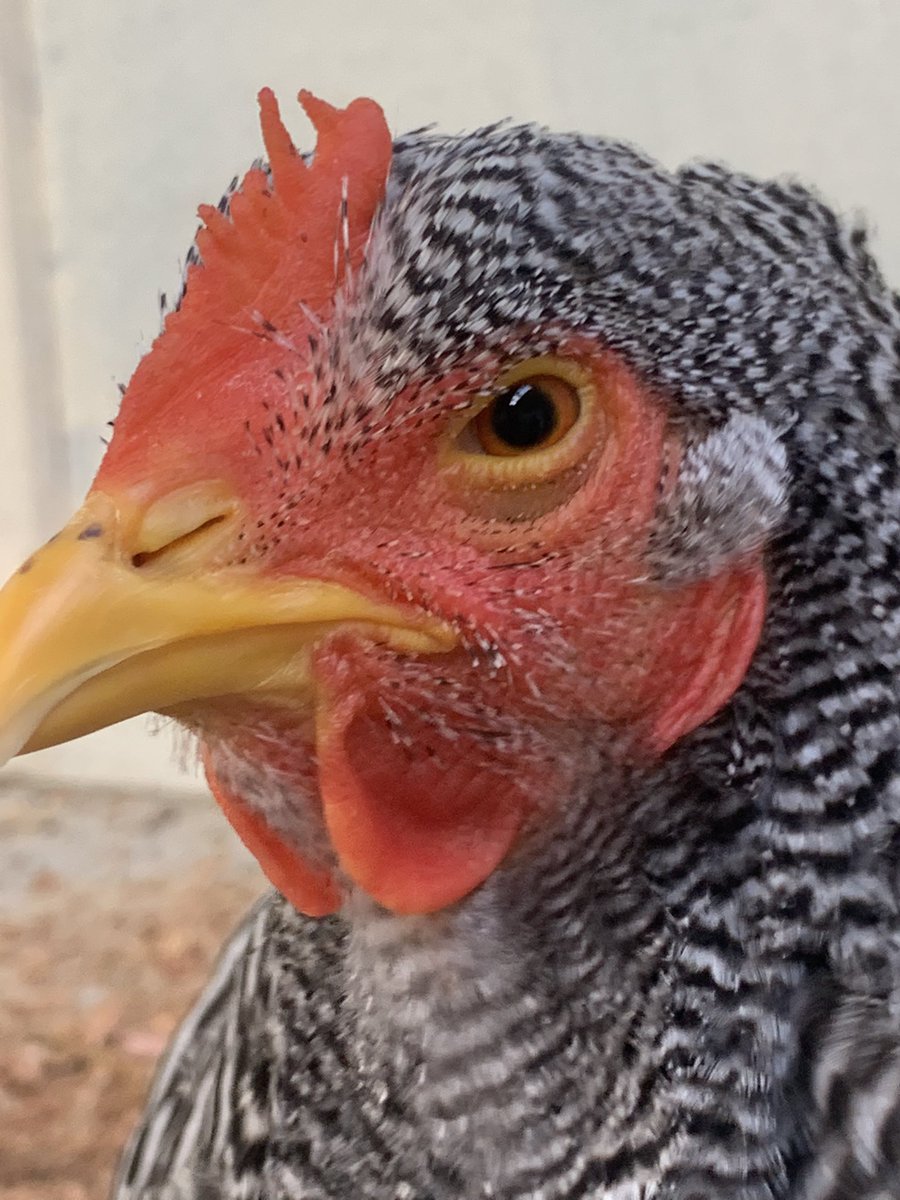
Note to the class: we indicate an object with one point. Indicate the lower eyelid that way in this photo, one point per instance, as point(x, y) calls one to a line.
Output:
point(519, 504)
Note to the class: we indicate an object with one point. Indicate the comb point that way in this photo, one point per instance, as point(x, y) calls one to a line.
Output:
point(324, 116)
point(278, 142)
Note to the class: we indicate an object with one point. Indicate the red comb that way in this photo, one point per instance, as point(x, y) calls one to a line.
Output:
point(278, 255)
point(278, 240)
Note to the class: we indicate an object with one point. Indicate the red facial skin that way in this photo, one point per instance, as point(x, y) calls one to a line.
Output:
point(425, 771)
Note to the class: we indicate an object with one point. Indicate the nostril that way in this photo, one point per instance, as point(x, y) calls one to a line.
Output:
point(187, 524)
point(184, 542)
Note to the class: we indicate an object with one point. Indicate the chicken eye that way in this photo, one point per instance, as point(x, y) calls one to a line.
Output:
point(538, 421)
point(531, 414)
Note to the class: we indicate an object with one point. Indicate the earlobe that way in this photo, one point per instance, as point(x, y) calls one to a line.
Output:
point(715, 645)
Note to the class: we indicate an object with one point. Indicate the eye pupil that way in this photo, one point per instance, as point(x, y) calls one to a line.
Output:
point(523, 416)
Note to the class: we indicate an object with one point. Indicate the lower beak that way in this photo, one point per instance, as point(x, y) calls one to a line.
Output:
point(93, 630)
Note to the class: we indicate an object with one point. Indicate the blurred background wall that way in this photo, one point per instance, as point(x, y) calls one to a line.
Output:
point(118, 116)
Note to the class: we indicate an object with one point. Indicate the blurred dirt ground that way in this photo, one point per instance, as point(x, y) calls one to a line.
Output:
point(113, 907)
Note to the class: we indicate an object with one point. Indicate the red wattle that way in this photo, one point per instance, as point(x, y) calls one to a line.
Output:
point(417, 829)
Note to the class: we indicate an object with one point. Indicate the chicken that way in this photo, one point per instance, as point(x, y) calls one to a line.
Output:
point(516, 526)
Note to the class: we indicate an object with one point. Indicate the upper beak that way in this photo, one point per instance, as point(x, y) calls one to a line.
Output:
point(123, 613)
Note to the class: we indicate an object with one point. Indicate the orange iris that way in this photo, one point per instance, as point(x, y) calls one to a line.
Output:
point(531, 414)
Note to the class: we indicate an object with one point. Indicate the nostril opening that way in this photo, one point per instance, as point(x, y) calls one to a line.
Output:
point(185, 541)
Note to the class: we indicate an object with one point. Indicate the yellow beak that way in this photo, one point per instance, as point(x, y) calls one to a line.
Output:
point(125, 612)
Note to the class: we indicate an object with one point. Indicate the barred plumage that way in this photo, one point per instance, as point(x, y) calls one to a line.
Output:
point(692, 988)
